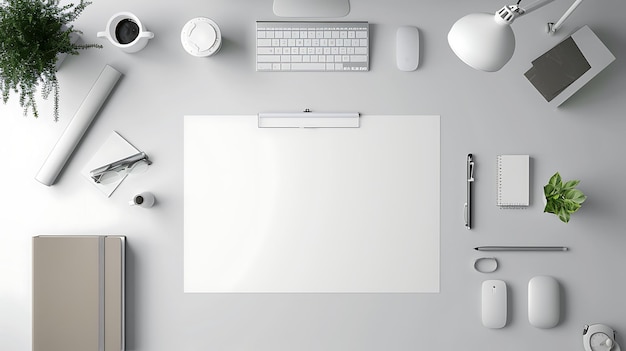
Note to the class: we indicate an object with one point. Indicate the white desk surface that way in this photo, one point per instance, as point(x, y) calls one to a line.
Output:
point(483, 113)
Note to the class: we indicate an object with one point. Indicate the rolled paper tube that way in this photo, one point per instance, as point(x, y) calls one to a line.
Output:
point(78, 125)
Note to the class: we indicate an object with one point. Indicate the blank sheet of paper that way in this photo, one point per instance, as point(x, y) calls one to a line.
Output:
point(311, 209)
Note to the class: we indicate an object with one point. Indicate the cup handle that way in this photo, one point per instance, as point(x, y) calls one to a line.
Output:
point(148, 35)
point(102, 35)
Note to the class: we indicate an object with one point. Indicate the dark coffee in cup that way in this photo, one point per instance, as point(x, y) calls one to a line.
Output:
point(126, 31)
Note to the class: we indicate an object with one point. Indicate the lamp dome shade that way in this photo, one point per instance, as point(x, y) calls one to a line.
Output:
point(483, 41)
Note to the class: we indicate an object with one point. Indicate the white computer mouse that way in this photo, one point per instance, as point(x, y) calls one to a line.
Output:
point(407, 48)
point(494, 304)
point(544, 302)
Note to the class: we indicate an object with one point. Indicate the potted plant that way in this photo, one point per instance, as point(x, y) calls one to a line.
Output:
point(33, 33)
point(562, 199)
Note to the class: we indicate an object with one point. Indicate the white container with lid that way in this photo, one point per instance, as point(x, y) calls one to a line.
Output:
point(201, 37)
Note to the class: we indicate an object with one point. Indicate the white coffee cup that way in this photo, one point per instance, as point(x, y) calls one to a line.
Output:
point(125, 31)
point(144, 199)
point(201, 37)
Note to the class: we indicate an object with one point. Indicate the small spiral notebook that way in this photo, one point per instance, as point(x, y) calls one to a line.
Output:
point(513, 181)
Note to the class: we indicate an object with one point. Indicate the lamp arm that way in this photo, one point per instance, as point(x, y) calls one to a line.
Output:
point(534, 6)
point(552, 28)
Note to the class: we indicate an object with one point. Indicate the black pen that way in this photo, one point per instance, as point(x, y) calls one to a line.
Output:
point(470, 180)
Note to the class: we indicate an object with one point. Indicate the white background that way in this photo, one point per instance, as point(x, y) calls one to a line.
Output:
point(482, 113)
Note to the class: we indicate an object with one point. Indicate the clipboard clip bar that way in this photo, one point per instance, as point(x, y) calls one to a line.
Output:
point(308, 119)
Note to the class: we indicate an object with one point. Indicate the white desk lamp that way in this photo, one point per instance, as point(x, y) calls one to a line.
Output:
point(486, 42)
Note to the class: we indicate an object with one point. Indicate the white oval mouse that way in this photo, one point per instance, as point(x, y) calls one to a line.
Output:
point(494, 304)
point(544, 302)
point(407, 48)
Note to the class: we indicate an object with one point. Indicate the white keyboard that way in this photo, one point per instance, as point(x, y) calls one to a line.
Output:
point(312, 46)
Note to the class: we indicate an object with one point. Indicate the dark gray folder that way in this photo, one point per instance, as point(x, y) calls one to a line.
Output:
point(559, 67)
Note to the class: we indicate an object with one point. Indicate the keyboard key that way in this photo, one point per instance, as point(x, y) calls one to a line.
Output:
point(268, 58)
point(265, 51)
point(310, 66)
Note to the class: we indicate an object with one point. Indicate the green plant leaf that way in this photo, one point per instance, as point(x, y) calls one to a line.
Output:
point(571, 206)
point(575, 195)
point(571, 184)
point(564, 216)
point(550, 207)
point(548, 190)
point(556, 180)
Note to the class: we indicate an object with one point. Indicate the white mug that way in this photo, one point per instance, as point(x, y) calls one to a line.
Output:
point(144, 199)
point(125, 31)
